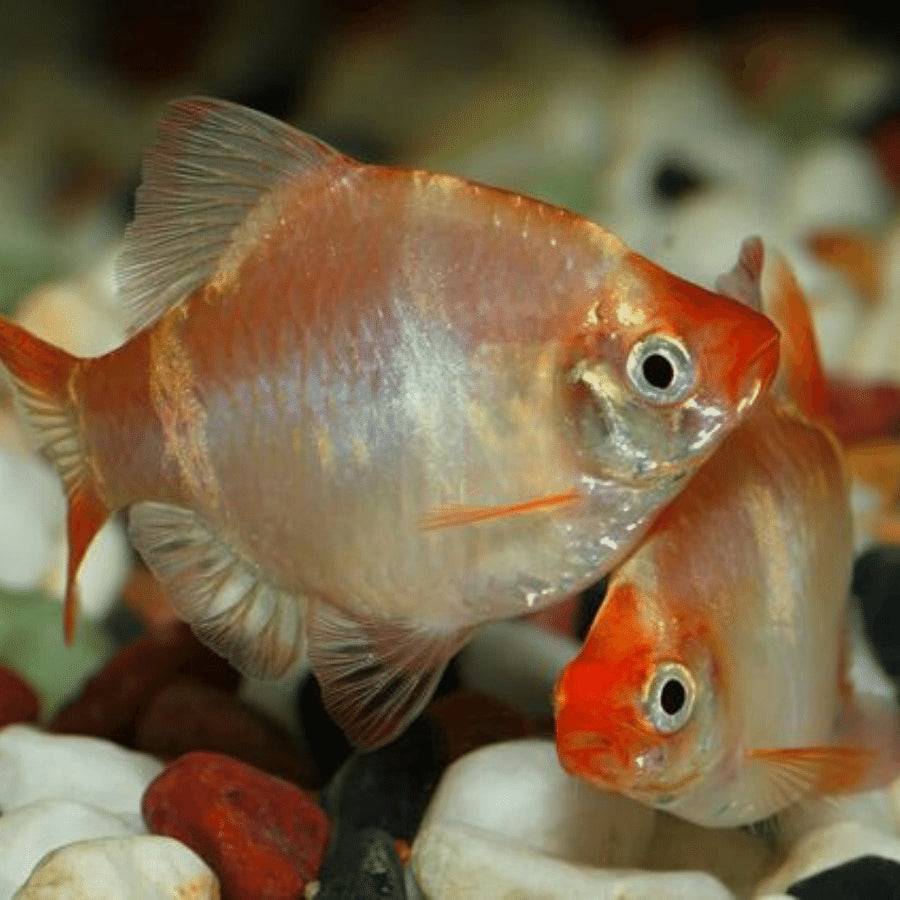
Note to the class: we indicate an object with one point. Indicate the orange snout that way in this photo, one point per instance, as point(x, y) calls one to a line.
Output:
point(751, 345)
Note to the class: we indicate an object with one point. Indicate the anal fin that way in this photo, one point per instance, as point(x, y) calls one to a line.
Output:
point(376, 677)
point(229, 604)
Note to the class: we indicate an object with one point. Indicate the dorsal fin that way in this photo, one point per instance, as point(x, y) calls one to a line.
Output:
point(212, 164)
point(764, 280)
point(800, 372)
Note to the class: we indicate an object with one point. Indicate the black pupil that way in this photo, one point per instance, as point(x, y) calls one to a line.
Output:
point(658, 371)
point(672, 697)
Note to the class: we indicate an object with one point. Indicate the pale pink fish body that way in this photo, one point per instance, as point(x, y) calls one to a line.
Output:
point(712, 682)
point(332, 355)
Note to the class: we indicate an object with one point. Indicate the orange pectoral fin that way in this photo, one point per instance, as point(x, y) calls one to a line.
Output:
point(826, 769)
point(455, 516)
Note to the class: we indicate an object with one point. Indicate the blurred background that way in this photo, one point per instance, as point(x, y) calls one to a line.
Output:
point(683, 128)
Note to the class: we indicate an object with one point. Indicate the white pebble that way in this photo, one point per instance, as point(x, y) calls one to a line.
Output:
point(143, 867)
point(826, 848)
point(834, 184)
point(507, 821)
point(29, 832)
point(31, 519)
point(452, 861)
point(518, 790)
point(35, 765)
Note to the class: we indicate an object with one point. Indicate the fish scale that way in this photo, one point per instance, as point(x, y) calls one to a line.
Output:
point(364, 409)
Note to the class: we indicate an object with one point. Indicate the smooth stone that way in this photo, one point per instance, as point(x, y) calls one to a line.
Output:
point(388, 788)
point(835, 183)
point(31, 642)
point(869, 877)
point(827, 848)
point(876, 582)
point(18, 701)
point(366, 868)
point(262, 836)
point(452, 861)
point(187, 715)
point(327, 744)
point(31, 518)
point(470, 720)
point(143, 867)
point(491, 663)
point(518, 791)
point(29, 832)
point(515, 795)
point(35, 766)
point(111, 701)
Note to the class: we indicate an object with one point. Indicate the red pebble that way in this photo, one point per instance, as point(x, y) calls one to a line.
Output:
point(862, 411)
point(18, 702)
point(114, 697)
point(188, 715)
point(262, 836)
point(470, 720)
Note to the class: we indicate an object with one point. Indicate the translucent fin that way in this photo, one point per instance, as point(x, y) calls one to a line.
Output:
point(260, 629)
point(826, 769)
point(212, 163)
point(800, 371)
point(455, 516)
point(41, 376)
point(376, 678)
point(742, 283)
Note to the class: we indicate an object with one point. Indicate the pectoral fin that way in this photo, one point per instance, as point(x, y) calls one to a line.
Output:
point(229, 604)
point(376, 677)
point(800, 771)
point(455, 516)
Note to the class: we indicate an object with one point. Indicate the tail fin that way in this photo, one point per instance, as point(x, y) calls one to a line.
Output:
point(42, 378)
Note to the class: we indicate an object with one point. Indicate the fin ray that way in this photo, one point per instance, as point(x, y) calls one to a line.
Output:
point(376, 677)
point(213, 162)
point(41, 375)
point(230, 606)
point(824, 769)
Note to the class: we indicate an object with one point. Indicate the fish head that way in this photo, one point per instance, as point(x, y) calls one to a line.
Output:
point(636, 711)
point(659, 371)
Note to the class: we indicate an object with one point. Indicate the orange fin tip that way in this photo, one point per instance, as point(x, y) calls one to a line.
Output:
point(826, 769)
point(455, 516)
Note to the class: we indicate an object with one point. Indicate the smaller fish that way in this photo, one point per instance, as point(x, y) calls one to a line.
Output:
point(712, 683)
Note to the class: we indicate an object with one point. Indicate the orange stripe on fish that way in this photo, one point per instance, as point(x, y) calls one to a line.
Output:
point(455, 516)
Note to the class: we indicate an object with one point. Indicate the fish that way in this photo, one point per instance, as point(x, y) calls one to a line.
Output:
point(712, 682)
point(361, 410)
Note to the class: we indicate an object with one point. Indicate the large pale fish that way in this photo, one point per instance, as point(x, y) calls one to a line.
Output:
point(712, 683)
point(363, 409)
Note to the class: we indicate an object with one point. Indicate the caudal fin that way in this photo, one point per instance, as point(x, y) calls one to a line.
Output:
point(42, 378)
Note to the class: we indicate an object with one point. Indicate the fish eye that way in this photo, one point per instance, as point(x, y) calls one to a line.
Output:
point(669, 697)
point(660, 369)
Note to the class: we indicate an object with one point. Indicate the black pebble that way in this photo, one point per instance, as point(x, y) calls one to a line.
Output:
point(589, 603)
point(365, 867)
point(327, 744)
point(865, 878)
point(675, 180)
point(387, 788)
point(876, 582)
